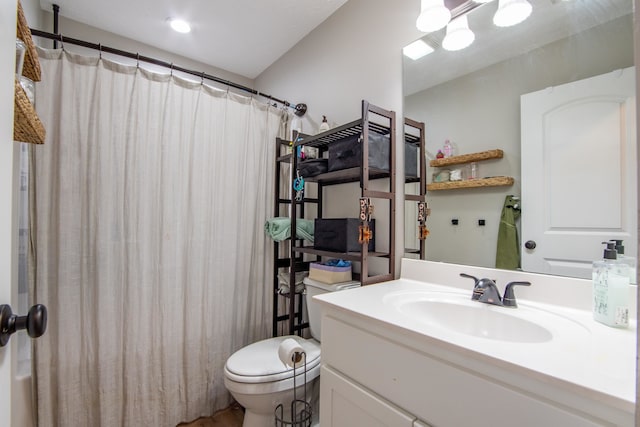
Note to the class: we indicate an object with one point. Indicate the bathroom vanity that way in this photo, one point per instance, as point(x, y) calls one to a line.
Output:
point(418, 352)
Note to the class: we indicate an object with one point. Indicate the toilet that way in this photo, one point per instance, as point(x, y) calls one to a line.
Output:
point(259, 381)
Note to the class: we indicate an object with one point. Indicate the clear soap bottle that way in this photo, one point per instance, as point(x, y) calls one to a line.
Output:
point(611, 289)
point(630, 261)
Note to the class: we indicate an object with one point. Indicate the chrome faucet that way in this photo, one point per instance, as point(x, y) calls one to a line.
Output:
point(486, 291)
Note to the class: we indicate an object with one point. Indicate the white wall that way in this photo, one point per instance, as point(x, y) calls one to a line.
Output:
point(354, 55)
point(77, 30)
point(481, 111)
point(7, 148)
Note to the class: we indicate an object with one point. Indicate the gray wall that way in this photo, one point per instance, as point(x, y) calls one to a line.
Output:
point(481, 111)
point(354, 55)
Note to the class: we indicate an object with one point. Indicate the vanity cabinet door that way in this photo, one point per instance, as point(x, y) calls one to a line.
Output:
point(346, 404)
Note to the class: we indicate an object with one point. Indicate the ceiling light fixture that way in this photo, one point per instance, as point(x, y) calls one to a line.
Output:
point(458, 35)
point(511, 12)
point(434, 15)
point(179, 25)
point(417, 49)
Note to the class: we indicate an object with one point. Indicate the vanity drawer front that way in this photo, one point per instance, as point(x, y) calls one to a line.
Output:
point(434, 389)
point(345, 404)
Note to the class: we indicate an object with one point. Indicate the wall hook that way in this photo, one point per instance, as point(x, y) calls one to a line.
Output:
point(301, 109)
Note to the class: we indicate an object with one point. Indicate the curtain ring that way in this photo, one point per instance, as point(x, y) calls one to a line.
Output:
point(100, 49)
point(137, 60)
point(202, 77)
point(61, 42)
point(171, 69)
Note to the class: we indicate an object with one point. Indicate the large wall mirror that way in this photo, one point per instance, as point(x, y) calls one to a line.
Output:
point(534, 91)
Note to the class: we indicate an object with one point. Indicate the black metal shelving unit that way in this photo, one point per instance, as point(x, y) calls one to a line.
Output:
point(282, 254)
point(414, 136)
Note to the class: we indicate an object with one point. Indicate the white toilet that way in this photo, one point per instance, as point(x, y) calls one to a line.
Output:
point(259, 381)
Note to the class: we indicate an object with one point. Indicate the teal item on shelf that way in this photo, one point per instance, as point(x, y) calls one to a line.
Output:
point(337, 263)
point(279, 228)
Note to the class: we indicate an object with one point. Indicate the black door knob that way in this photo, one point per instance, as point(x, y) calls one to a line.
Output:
point(35, 322)
point(530, 244)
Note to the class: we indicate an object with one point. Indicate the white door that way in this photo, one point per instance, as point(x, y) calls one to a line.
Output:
point(578, 173)
point(7, 234)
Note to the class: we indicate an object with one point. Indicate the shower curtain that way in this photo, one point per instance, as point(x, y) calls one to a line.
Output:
point(150, 196)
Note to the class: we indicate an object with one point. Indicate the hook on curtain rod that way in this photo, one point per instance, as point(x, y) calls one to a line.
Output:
point(171, 70)
point(137, 60)
point(61, 42)
point(100, 50)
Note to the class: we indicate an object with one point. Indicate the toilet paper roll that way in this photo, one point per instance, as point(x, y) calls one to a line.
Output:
point(291, 353)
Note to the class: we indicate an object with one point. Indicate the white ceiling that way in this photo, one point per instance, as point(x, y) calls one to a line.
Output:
point(241, 36)
point(551, 20)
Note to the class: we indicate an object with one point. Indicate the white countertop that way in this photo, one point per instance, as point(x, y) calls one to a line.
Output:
point(583, 356)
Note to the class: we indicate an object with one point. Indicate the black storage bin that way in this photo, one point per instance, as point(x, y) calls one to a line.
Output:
point(312, 167)
point(347, 153)
point(340, 235)
point(410, 160)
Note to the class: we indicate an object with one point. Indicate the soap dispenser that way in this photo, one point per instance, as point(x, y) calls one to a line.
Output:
point(630, 261)
point(324, 126)
point(611, 289)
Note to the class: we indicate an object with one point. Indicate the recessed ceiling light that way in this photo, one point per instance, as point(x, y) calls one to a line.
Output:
point(417, 50)
point(179, 25)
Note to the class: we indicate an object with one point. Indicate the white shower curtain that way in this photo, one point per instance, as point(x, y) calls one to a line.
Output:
point(150, 197)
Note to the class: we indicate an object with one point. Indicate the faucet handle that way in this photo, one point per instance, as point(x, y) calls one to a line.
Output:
point(468, 276)
point(476, 292)
point(509, 299)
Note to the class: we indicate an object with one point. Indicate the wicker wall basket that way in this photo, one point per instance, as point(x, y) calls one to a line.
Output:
point(31, 67)
point(27, 127)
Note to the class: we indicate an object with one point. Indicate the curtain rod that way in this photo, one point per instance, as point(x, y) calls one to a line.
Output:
point(300, 109)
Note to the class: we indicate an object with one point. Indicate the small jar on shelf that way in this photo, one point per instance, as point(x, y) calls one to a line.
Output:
point(472, 170)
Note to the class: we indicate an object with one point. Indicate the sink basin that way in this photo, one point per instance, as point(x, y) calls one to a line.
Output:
point(459, 314)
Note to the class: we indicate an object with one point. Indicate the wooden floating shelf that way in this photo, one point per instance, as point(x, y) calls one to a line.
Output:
point(496, 181)
point(467, 158)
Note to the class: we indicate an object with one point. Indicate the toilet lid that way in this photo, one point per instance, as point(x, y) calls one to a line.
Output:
point(259, 362)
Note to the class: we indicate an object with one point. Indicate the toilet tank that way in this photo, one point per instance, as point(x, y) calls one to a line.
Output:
point(312, 288)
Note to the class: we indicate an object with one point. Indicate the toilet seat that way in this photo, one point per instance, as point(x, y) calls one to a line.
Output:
point(259, 362)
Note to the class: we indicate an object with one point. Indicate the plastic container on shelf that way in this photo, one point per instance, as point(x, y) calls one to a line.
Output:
point(473, 171)
point(21, 49)
point(29, 88)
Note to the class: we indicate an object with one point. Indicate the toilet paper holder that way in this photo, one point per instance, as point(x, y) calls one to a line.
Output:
point(300, 412)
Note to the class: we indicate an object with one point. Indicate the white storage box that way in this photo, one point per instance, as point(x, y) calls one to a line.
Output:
point(329, 274)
